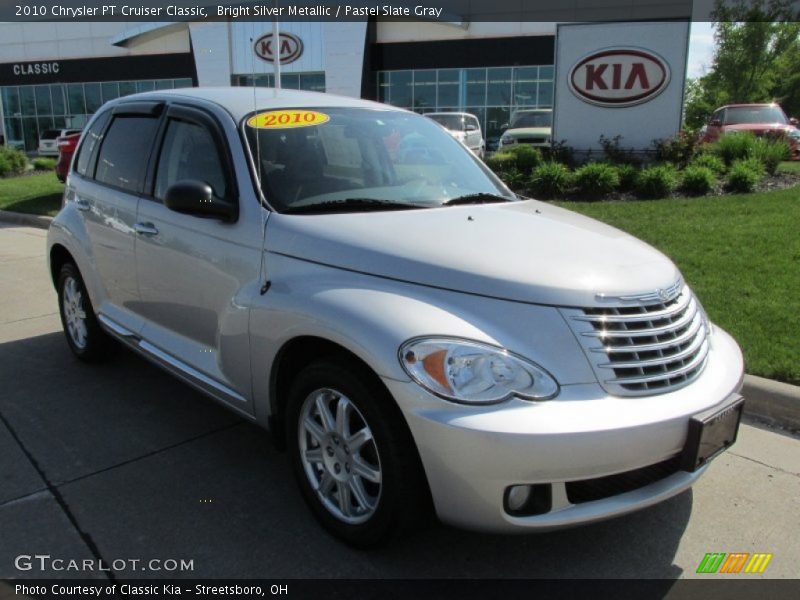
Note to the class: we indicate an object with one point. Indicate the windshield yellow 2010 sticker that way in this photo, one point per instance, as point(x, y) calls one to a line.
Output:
point(284, 119)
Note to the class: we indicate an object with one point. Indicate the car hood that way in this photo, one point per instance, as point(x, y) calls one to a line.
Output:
point(526, 131)
point(759, 127)
point(522, 251)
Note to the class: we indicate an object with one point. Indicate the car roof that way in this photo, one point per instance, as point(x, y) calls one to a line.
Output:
point(241, 101)
point(449, 112)
point(754, 105)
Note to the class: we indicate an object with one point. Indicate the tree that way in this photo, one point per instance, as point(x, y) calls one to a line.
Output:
point(756, 58)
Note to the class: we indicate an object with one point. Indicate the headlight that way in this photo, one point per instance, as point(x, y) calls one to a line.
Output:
point(473, 372)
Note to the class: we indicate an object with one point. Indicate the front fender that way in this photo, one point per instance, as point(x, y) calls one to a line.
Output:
point(371, 317)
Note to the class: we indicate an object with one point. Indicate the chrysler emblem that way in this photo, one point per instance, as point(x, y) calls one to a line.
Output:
point(663, 294)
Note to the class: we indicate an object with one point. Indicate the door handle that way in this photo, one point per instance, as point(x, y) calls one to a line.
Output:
point(82, 204)
point(145, 229)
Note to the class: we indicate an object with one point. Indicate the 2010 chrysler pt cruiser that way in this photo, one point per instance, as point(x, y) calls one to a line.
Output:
point(351, 277)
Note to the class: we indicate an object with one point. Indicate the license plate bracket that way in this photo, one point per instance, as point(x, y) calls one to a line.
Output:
point(711, 432)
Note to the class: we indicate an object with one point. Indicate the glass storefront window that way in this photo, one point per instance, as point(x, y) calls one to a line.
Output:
point(10, 99)
point(400, 92)
point(498, 88)
point(449, 87)
point(75, 100)
point(492, 94)
point(145, 86)
point(476, 87)
point(59, 102)
point(425, 90)
point(110, 91)
point(94, 98)
point(27, 100)
point(44, 105)
point(29, 110)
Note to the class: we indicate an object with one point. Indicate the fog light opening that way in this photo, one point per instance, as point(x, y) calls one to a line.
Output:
point(528, 500)
point(518, 496)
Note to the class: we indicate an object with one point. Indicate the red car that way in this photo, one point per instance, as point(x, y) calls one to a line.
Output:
point(66, 148)
point(759, 119)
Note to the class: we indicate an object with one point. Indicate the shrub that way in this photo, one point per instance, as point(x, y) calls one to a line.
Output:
point(551, 179)
point(500, 162)
point(627, 176)
point(770, 152)
point(734, 146)
point(526, 158)
point(657, 182)
point(559, 152)
point(744, 175)
point(15, 160)
point(596, 179)
point(615, 153)
point(678, 150)
point(514, 178)
point(698, 180)
point(44, 164)
point(710, 161)
point(5, 166)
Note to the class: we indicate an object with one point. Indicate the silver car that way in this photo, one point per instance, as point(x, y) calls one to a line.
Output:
point(415, 335)
point(464, 127)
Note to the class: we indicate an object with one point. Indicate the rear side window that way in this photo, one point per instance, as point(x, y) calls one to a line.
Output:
point(125, 150)
point(189, 152)
point(90, 142)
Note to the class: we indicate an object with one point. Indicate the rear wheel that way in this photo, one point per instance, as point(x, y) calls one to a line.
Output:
point(84, 336)
point(353, 456)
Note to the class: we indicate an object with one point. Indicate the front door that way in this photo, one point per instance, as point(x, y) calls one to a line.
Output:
point(193, 272)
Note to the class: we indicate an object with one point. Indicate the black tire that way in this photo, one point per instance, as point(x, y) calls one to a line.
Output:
point(403, 502)
point(94, 345)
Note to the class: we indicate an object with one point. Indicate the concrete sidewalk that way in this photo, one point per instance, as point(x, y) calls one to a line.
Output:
point(121, 461)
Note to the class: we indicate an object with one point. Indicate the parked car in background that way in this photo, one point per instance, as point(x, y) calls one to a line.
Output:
point(758, 119)
point(48, 144)
point(347, 275)
point(464, 127)
point(66, 148)
point(530, 126)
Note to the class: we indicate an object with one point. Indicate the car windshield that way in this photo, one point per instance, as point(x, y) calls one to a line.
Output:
point(532, 119)
point(452, 122)
point(375, 159)
point(741, 115)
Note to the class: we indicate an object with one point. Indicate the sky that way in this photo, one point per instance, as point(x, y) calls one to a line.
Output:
point(701, 48)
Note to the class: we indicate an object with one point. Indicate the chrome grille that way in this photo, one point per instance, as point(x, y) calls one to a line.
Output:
point(644, 345)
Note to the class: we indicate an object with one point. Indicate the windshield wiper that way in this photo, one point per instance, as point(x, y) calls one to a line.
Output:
point(350, 205)
point(480, 198)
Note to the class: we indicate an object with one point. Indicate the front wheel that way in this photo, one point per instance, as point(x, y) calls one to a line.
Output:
point(353, 456)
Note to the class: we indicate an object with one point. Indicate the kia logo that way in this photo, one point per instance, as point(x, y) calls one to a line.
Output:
point(619, 77)
point(291, 48)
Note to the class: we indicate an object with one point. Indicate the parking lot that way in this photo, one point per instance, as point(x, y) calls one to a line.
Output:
point(121, 461)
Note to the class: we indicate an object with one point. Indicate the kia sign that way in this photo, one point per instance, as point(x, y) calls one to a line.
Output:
point(619, 77)
point(290, 48)
point(631, 87)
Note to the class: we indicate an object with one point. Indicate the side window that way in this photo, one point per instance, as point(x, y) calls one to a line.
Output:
point(474, 122)
point(125, 150)
point(90, 141)
point(189, 152)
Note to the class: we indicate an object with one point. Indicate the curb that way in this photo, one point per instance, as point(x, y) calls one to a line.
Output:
point(6, 216)
point(775, 402)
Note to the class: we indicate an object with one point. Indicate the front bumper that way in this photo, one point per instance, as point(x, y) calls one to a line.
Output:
point(472, 455)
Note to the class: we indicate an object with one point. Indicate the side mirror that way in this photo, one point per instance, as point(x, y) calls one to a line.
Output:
point(192, 197)
point(471, 127)
point(715, 123)
point(794, 121)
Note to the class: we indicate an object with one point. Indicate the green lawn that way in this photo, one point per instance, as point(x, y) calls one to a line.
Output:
point(741, 255)
point(790, 167)
point(38, 194)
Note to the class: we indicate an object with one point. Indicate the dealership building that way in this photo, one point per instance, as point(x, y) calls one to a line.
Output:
point(57, 74)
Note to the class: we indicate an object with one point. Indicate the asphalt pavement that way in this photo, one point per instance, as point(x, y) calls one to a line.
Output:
point(121, 462)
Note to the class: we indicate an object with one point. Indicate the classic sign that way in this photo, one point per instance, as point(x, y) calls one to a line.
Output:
point(619, 77)
point(290, 48)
